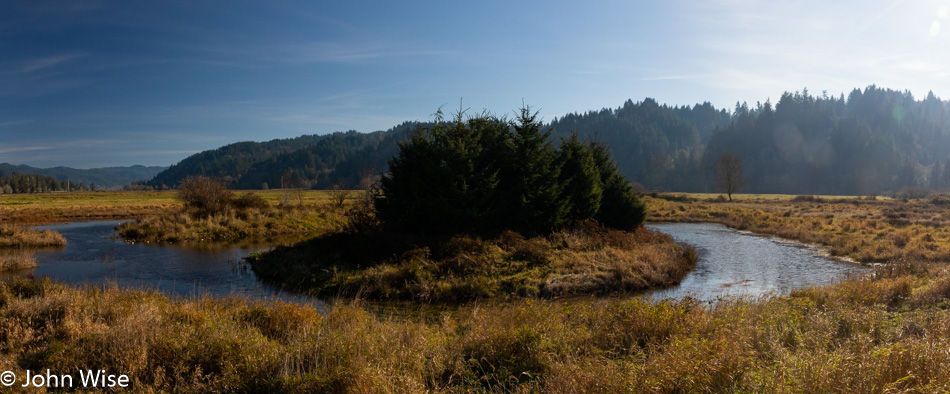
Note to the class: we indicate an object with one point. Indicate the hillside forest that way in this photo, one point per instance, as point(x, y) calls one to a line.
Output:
point(870, 141)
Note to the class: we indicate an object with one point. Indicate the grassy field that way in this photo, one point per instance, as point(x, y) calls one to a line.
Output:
point(887, 332)
point(277, 225)
point(17, 245)
point(882, 334)
point(586, 259)
point(869, 231)
point(64, 207)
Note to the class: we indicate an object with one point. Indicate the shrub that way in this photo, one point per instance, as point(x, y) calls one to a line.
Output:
point(204, 196)
point(249, 201)
point(912, 192)
point(486, 175)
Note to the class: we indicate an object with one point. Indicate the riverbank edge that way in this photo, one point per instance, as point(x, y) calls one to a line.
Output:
point(870, 233)
point(588, 259)
point(862, 335)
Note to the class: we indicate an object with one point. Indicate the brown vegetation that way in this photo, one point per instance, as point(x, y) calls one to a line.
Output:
point(21, 237)
point(249, 223)
point(587, 259)
point(885, 333)
point(62, 207)
point(16, 260)
point(869, 231)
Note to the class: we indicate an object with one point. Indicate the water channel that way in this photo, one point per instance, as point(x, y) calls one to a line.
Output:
point(731, 263)
point(93, 255)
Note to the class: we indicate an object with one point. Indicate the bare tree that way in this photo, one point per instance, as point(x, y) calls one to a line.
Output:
point(728, 169)
point(293, 187)
point(204, 196)
point(339, 194)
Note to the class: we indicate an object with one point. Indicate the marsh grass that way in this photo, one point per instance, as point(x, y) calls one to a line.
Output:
point(868, 231)
point(586, 259)
point(22, 237)
point(16, 260)
point(256, 223)
point(76, 206)
point(888, 332)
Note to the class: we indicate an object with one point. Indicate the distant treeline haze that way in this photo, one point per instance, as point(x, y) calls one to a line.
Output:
point(872, 141)
point(23, 183)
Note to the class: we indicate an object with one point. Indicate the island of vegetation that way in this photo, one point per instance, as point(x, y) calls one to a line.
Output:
point(210, 212)
point(486, 207)
point(17, 242)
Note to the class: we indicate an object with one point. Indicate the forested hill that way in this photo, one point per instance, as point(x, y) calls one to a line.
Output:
point(872, 141)
point(107, 177)
point(340, 158)
point(312, 161)
point(645, 137)
point(229, 162)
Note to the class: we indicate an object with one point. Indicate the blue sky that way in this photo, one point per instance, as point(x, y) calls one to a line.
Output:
point(111, 83)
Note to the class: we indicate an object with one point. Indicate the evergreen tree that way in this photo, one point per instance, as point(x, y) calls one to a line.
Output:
point(619, 205)
point(580, 178)
point(444, 178)
point(485, 175)
point(532, 177)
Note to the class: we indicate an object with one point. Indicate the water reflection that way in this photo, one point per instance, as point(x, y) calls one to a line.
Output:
point(730, 264)
point(93, 255)
point(739, 264)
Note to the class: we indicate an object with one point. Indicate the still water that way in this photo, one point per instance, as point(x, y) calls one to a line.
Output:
point(733, 263)
point(730, 263)
point(94, 256)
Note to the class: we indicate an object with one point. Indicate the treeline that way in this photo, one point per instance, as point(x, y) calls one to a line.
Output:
point(309, 162)
point(486, 174)
point(32, 183)
point(338, 159)
point(229, 162)
point(106, 177)
point(657, 146)
point(871, 141)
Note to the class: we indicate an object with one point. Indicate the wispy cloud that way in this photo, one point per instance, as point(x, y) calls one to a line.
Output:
point(16, 122)
point(20, 149)
point(674, 77)
point(39, 64)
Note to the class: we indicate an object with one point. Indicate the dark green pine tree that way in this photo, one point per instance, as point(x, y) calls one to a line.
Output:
point(532, 177)
point(444, 179)
point(580, 178)
point(619, 205)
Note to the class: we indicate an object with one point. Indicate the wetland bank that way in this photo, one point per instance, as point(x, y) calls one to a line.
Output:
point(548, 308)
point(864, 334)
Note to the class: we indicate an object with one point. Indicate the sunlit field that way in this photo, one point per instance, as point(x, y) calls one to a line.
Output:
point(77, 206)
point(878, 333)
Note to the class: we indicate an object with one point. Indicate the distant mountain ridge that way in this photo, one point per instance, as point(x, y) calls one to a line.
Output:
point(309, 161)
point(107, 177)
point(229, 162)
point(874, 140)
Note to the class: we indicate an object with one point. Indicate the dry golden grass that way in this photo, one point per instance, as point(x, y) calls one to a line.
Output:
point(21, 237)
point(869, 231)
point(887, 332)
point(78, 206)
point(273, 224)
point(587, 259)
point(16, 260)
point(881, 334)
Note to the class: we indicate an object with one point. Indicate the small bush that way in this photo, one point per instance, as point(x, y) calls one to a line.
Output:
point(912, 193)
point(249, 201)
point(807, 198)
point(204, 196)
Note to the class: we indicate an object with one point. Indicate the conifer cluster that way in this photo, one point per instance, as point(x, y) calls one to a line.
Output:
point(486, 174)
